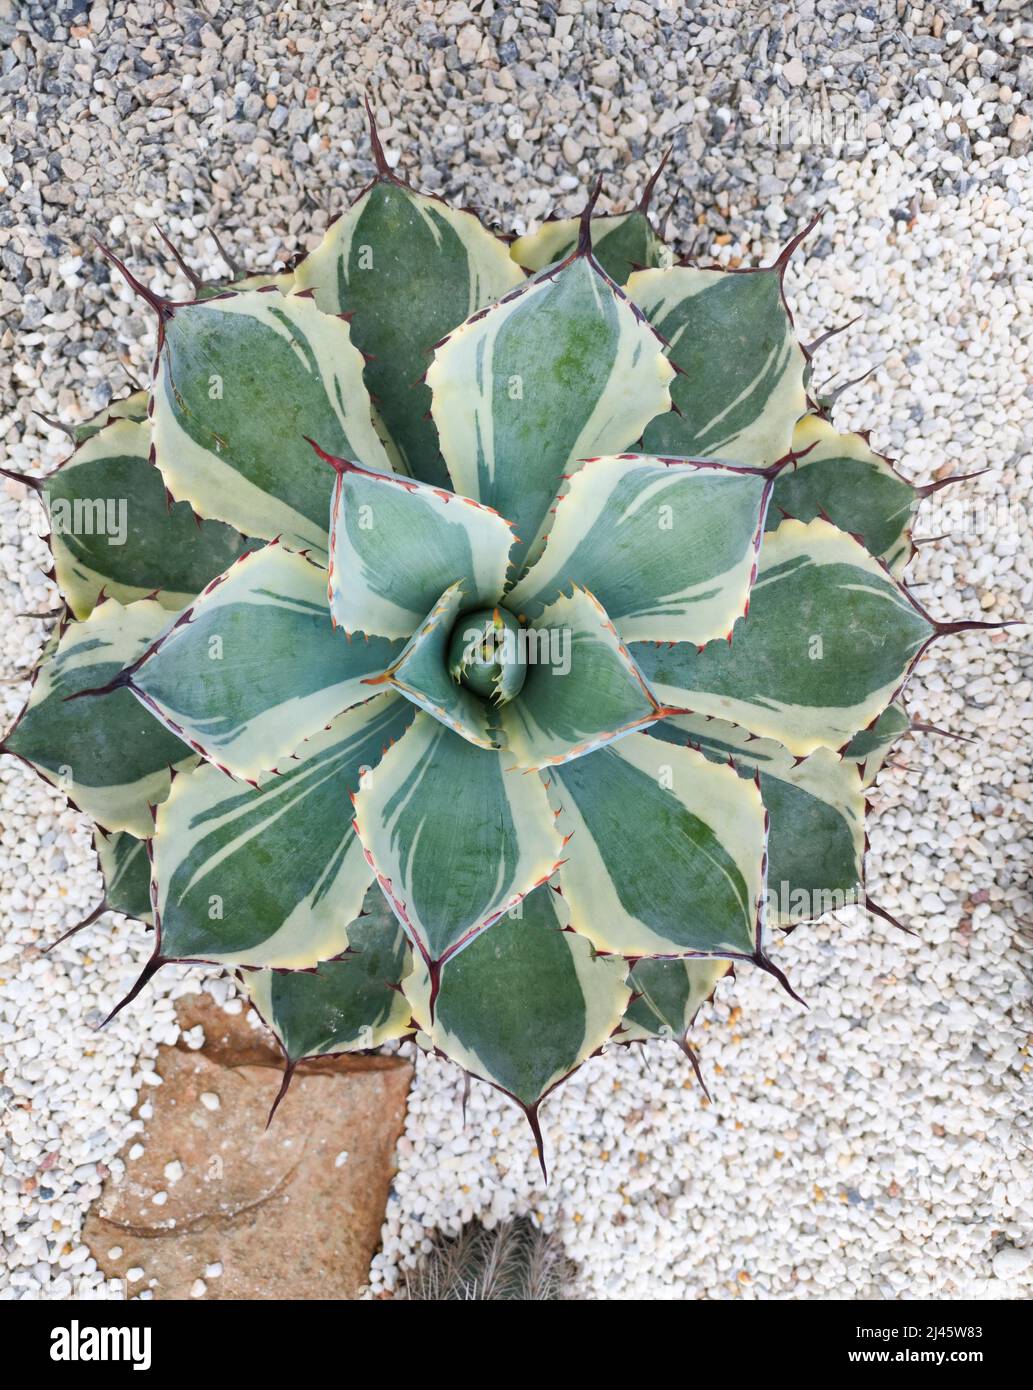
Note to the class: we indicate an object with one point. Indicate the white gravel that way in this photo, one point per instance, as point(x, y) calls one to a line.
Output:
point(878, 1146)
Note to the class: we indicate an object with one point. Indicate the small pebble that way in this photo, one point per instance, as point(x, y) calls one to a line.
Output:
point(1010, 1262)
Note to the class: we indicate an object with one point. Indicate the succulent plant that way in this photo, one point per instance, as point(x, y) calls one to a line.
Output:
point(513, 1261)
point(489, 643)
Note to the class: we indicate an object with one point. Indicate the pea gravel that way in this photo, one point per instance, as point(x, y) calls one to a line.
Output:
point(877, 1146)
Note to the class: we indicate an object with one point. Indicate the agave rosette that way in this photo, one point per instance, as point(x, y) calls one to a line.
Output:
point(493, 628)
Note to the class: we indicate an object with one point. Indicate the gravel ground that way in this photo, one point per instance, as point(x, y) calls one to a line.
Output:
point(877, 1146)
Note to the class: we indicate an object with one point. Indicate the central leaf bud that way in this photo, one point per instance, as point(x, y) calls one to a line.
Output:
point(486, 654)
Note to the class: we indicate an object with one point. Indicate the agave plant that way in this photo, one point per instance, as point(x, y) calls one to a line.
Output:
point(478, 641)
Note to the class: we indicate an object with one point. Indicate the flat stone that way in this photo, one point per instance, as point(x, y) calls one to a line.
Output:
point(274, 1208)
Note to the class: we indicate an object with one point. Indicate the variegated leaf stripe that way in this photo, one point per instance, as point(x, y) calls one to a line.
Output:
point(407, 269)
point(254, 666)
point(240, 381)
point(815, 809)
point(396, 544)
point(106, 754)
point(421, 674)
point(839, 476)
point(741, 390)
point(525, 1003)
point(828, 643)
point(665, 853)
point(670, 994)
point(114, 531)
point(131, 407)
point(871, 747)
point(271, 875)
point(345, 1005)
point(454, 839)
point(560, 370)
point(582, 688)
point(283, 280)
point(667, 546)
point(621, 244)
point(126, 869)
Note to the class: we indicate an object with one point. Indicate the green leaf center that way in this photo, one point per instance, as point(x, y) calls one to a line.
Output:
point(487, 654)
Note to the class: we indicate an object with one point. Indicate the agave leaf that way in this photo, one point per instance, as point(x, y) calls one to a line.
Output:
point(621, 244)
point(240, 381)
point(114, 531)
point(560, 370)
point(665, 853)
point(396, 544)
point(271, 875)
point(407, 268)
point(106, 754)
point(829, 641)
point(421, 674)
point(741, 390)
point(344, 1005)
point(283, 280)
point(126, 869)
point(840, 477)
point(254, 666)
point(525, 1003)
point(582, 689)
point(131, 407)
point(670, 995)
point(815, 809)
point(667, 546)
point(454, 839)
point(871, 747)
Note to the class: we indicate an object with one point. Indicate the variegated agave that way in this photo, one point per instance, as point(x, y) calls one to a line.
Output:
point(546, 705)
